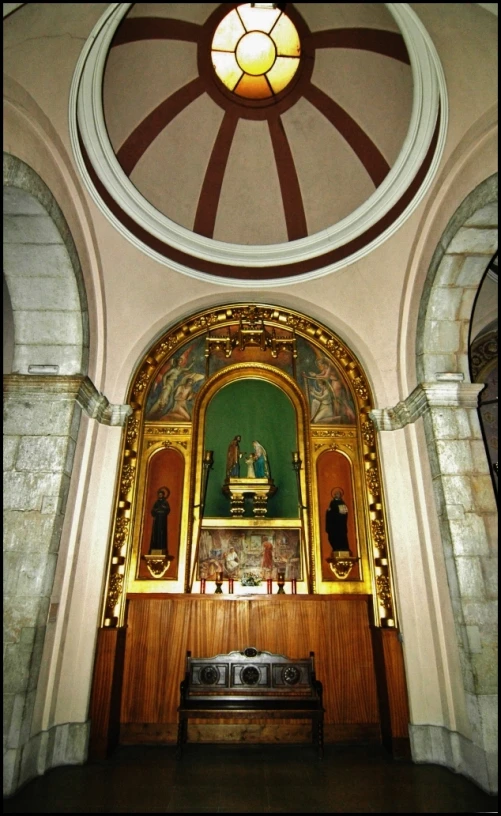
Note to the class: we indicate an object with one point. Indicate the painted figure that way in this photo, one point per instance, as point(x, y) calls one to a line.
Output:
point(183, 394)
point(160, 511)
point(267, 562)
point(329, 399)
point(163, 398)
point(261, 466)
point(321, 402)
point(233, 457)
point(336, 521)
point(231, 562)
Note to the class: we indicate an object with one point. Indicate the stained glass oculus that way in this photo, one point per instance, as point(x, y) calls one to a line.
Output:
point(256, 51)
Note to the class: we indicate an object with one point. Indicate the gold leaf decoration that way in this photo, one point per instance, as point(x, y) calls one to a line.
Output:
point(127, 477)
point(372, 477)
point(378, 534)
point(368, 433)
point(114, 590)
point(141, 382)
point(360, 388)
point(132, 429)
point(121, 532)
point(383, 590)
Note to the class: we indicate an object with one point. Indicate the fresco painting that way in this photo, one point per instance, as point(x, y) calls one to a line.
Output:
point(250, 556)
point(176, 385)
point(329, 399)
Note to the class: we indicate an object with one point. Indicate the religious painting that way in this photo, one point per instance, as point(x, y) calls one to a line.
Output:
point(162, 512)
point(329, 399)
point(338, 531)
point(248, 555)
point(175, 387)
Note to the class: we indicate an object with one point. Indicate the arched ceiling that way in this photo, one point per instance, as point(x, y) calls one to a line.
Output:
point(269, 189)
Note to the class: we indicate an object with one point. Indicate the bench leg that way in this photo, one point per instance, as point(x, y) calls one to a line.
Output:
point(317, 735)
point(181, 737)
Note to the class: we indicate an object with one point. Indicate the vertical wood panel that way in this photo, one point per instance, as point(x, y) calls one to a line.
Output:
point(392, 691)
point(161, 629)
point(104, 710)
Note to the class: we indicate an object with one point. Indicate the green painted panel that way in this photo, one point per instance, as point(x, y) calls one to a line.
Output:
point(257, 410)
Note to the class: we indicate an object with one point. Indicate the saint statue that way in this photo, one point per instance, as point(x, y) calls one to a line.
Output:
point(160, 511)
point(233, 457)
point(336, 521)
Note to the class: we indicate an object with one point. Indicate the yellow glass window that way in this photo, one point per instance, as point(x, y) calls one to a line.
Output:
point(255, 51)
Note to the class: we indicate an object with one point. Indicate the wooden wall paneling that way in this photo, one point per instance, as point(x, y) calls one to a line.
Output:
point(161, 629)
point(392, 691)
point(351, 666)
point(106, 693)
point(217, 625)
point(337, 630)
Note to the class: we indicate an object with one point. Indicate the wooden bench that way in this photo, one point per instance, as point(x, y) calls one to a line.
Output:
point(253, 685)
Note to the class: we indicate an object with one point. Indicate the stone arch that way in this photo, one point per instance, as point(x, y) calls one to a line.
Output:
point(42, 397)
point(43, 276)
point(456, 271)
point(461, 479)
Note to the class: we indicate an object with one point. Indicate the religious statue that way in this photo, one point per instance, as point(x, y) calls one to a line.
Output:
point(261, 466)
point(160, 511)
point(233, 458)
point(336, 522)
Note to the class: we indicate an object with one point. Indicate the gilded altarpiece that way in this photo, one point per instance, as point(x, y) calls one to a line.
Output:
point(277, 381)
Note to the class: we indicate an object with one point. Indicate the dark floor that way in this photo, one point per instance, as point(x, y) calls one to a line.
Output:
point(251, 779)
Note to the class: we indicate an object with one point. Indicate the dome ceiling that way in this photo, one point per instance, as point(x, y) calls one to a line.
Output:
point(285, 185)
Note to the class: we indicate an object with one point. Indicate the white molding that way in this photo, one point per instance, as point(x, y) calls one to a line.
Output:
point(86, 108)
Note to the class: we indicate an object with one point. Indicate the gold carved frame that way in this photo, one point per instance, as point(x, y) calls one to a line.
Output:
point(357, 442)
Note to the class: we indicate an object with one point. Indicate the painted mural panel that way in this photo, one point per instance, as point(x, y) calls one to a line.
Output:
point(175, 387)
point(162, 510)
point(250, 556)
point(337, 510)
point(328, 396)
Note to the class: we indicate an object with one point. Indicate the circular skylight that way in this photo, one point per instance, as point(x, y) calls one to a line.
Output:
point(255, 51)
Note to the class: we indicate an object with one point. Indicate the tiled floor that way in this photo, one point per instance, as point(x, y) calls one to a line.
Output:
point(251, 779)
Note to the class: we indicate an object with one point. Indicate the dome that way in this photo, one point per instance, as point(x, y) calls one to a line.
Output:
point(251, 179)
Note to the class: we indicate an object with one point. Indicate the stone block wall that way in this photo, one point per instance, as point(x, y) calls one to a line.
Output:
point(41, 421)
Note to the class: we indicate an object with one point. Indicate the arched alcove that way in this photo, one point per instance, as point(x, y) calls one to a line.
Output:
point(49, 344)
point(461, 480)
point(241, 378)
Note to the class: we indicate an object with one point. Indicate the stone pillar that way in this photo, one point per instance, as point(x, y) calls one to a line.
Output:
point(468, 522)
point(41, 421)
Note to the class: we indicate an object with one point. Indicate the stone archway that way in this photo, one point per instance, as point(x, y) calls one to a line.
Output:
point(41, 419)
point(461, 477)
point(465, 501)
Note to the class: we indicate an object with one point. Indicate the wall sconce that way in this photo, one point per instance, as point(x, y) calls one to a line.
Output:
point(341, 563)
point(158, 564)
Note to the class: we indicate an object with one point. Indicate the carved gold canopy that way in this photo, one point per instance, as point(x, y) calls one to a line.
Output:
point(265, 373)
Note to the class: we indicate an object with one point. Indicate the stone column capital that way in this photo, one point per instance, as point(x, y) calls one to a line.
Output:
point(98, 407)
point(447, 391)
